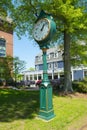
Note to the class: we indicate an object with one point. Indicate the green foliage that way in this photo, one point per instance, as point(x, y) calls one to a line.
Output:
point(68, 14)
point(6, 67)
point(18, 67)
point(31, 69)
point(78, 53)
point(11, 67)
point(80, 86)
point(5, 7)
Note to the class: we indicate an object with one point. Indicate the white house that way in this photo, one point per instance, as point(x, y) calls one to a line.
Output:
point(55, 67)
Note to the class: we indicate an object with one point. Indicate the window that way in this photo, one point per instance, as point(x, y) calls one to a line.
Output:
point(38, 58)
point(56, 54)
point(37, 67)
point(85, 73)
point(48, 56)
point(50, 66)
point(2, 47)
point(59, 53)
point(55, 65)
point(52, 55)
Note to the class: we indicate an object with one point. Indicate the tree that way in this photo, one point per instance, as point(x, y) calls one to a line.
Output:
point(6, 66)
point(70, 17)
point(31, 69)
point(11, 68)
point(78, 53)
point(6, 7)
point(18, 67)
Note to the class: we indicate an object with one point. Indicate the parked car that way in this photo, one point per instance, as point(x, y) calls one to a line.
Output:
point(38, 82)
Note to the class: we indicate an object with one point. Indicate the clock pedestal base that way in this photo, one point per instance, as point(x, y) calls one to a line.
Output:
point(46, 115)
point(46, 106)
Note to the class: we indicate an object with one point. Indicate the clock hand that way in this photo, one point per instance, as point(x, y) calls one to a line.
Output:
point(42, 27)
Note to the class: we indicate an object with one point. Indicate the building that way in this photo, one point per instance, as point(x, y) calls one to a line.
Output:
point(6, 38)
point(6, 48)
point(55, 67)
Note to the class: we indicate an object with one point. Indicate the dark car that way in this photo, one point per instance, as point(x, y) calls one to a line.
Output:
point(38, 82)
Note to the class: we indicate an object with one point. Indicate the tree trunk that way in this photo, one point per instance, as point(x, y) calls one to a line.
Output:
point(67, 64)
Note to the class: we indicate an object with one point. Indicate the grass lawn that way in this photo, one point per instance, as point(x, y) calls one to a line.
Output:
point(19, 111)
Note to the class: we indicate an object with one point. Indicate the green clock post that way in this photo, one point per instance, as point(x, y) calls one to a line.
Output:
point(44, 30)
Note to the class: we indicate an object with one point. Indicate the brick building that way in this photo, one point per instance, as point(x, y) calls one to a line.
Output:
point(6, 38)
point(6, 49)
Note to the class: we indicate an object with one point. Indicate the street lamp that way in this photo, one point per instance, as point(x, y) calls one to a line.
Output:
point(44, 30)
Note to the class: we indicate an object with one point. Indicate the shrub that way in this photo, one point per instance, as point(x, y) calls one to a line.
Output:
point(10, 82)
point(1, 83)
point(80, 86)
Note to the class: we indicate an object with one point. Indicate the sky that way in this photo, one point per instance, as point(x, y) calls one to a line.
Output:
point(25, 49)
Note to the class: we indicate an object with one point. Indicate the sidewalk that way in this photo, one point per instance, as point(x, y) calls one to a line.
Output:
point(80, 124)
point(32, 88)
point(84, 127)
point(26, 88)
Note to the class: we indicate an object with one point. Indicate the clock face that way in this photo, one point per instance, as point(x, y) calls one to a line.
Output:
point(41, 29)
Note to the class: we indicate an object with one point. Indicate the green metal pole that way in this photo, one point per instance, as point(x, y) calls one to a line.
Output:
point(45, 75)
point(46, 104)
